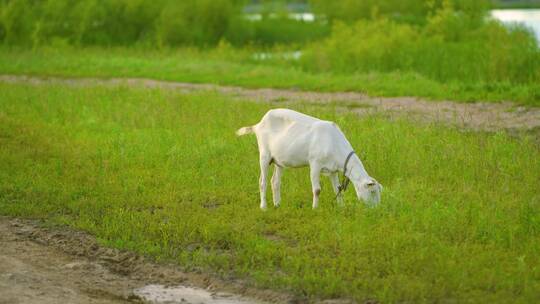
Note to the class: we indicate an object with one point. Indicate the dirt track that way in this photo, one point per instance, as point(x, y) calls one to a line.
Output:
point(476, 116)
point(51, 265)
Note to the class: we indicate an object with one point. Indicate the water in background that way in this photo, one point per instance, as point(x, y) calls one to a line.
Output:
point(528, 17)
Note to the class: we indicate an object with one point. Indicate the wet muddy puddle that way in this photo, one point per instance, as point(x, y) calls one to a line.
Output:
point(181, 294)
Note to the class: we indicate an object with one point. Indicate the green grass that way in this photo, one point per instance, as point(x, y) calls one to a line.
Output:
point(163, 174)
point(236, 67)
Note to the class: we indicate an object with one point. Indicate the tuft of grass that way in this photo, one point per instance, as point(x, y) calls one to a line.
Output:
point(162, 173)
point(228, 66)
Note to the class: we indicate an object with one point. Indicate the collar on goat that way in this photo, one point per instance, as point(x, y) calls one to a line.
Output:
point(345, 182)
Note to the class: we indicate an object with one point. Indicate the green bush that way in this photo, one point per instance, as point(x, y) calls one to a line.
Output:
point(452, 45)
point(352, 10)
point(128, 22)
point(280, 30)
point(411, 11)
point(197, 22)
point(17, 17)
point(380, 45)
point(116, 22)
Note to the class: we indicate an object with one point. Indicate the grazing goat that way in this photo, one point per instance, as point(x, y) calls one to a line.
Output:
point(289, 139)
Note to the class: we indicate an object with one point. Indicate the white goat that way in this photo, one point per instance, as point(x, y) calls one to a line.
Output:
point(290, 139)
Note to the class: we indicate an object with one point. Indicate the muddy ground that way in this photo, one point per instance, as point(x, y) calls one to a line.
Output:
point(479, 116)
point(59, 265)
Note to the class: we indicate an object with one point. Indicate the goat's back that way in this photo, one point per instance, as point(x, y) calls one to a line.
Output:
point(277, 120)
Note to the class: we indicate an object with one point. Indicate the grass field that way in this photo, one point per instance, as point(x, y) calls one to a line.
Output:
point(229, 66)
point(163, 174)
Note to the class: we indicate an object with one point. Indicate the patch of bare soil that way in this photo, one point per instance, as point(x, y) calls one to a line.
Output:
point(53, 265)
point(480, 116)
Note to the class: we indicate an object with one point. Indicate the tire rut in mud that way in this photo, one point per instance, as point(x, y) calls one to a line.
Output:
point(59, 265)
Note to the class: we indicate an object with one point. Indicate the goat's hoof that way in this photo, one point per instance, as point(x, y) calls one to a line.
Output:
point(263, 208)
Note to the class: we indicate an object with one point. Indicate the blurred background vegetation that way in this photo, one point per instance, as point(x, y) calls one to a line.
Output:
point(439, 39)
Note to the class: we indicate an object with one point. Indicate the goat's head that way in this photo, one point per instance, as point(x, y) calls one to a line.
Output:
point(368, 190)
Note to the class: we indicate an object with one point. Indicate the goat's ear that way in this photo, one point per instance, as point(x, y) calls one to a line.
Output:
point(380, 187)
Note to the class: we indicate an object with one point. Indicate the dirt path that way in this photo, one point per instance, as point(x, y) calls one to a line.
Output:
point(49, 265)
point(476, 116)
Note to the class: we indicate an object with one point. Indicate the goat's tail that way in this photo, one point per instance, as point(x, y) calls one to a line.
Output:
point(245, 130)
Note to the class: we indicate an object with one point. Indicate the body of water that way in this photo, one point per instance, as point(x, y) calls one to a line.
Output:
point(528, 17)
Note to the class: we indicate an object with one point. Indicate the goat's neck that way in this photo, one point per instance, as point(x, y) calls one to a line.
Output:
point(355, 169)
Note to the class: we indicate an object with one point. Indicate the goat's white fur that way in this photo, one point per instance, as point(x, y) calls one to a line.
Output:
point(290, 139)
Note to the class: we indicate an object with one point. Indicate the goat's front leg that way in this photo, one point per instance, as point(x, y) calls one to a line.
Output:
point(276, 185)
point(315, 173)
point(334, 178)
point(265, 163)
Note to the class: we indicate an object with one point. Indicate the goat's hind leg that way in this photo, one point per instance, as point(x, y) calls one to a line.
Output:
point(276, 185)
point(264, 161)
